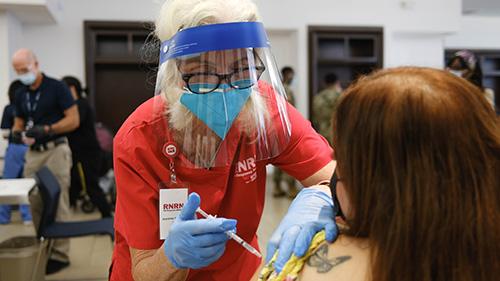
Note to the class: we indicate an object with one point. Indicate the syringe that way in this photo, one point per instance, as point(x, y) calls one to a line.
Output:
point(233, 235)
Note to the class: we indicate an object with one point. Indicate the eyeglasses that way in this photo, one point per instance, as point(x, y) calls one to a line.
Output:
point(333, 189)
point(25, 70)
point(206, 82)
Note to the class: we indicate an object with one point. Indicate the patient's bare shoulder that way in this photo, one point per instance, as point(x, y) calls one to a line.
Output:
point(345, 259)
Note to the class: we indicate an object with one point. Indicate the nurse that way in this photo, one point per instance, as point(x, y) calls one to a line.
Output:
point(218, 117)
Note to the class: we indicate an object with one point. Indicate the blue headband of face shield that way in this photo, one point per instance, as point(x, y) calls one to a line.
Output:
point(216, 37)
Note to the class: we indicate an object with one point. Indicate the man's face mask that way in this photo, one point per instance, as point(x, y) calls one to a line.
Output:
point(456, 72)
point(29, 77)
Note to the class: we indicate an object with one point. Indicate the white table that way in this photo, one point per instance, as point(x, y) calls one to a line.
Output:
point(15, 191)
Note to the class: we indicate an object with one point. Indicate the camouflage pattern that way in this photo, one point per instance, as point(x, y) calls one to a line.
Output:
point(323, 105)
point(289, 93)
point(279, 175)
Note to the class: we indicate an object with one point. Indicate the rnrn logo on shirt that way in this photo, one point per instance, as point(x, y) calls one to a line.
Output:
point(246, 169)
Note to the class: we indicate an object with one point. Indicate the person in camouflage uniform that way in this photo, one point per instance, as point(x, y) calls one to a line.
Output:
point(323, 105)
point(287, 78)
point(287, 74)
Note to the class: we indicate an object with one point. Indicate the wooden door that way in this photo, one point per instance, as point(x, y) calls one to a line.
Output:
point(119, 76)
point(346, 51)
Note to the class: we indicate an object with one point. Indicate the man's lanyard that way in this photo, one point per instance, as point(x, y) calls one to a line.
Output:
point(32, 109)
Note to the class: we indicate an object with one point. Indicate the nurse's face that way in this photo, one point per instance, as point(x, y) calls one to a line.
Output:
point(220, 62)
point(237, 68)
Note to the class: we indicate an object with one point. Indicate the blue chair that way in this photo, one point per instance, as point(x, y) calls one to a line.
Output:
point(50, 190)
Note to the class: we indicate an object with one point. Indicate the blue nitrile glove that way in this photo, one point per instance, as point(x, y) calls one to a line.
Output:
point(193, 243)
point(310, 212)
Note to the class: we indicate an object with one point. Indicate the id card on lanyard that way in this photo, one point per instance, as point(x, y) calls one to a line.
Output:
point(171, 202)
point(31, 109)
point(173, 195)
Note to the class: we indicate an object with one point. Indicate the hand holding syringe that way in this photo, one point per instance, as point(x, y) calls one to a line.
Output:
point(233, 235)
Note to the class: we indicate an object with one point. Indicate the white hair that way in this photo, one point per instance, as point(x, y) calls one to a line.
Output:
point(181, 14)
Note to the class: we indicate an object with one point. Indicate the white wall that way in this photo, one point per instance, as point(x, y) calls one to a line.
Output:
point(413, 31)
point(60, 48)
point(15, 28)
point(476, 32)
point(410, 28)
point(4, 79)
point(10, 27)
point(4, 50)
point(415, 49)
point(284, 46)
point(421, 15)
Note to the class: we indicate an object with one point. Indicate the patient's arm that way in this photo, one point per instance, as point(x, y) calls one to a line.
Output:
point(346, 259)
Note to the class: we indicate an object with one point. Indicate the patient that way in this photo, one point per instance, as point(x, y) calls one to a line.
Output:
point(418, 153)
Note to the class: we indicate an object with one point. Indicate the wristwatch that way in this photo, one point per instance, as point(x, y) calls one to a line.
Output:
point(51, 131)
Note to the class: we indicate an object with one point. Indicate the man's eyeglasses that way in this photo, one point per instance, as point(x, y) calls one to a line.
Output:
point(241, 78)
point(333, 189)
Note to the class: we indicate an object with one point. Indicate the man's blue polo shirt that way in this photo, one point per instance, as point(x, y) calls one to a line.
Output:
point(46, 104)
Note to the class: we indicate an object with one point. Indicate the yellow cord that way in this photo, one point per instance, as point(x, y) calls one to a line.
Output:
point(82, 178)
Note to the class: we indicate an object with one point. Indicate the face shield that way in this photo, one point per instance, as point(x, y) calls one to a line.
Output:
point(218, 88)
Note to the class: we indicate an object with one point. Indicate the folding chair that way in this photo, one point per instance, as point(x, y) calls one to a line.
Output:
point(50, 229)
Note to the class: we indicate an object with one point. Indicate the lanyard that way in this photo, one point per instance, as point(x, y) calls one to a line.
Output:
point(170, 150)
point(32, 109)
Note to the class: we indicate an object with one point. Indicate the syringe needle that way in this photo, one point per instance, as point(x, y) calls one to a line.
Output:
point(243, 243)
point(233, 235)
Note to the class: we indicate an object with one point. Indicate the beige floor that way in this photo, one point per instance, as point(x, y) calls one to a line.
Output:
point(90, 256)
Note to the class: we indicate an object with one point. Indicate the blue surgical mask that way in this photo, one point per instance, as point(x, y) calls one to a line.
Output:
point(28, 78)
point(217, 109)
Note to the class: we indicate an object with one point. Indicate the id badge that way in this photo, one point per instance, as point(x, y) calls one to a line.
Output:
point(29, 124)
point(171, 202)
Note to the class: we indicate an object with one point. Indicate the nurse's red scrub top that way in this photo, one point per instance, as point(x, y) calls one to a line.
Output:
point(235, 192)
